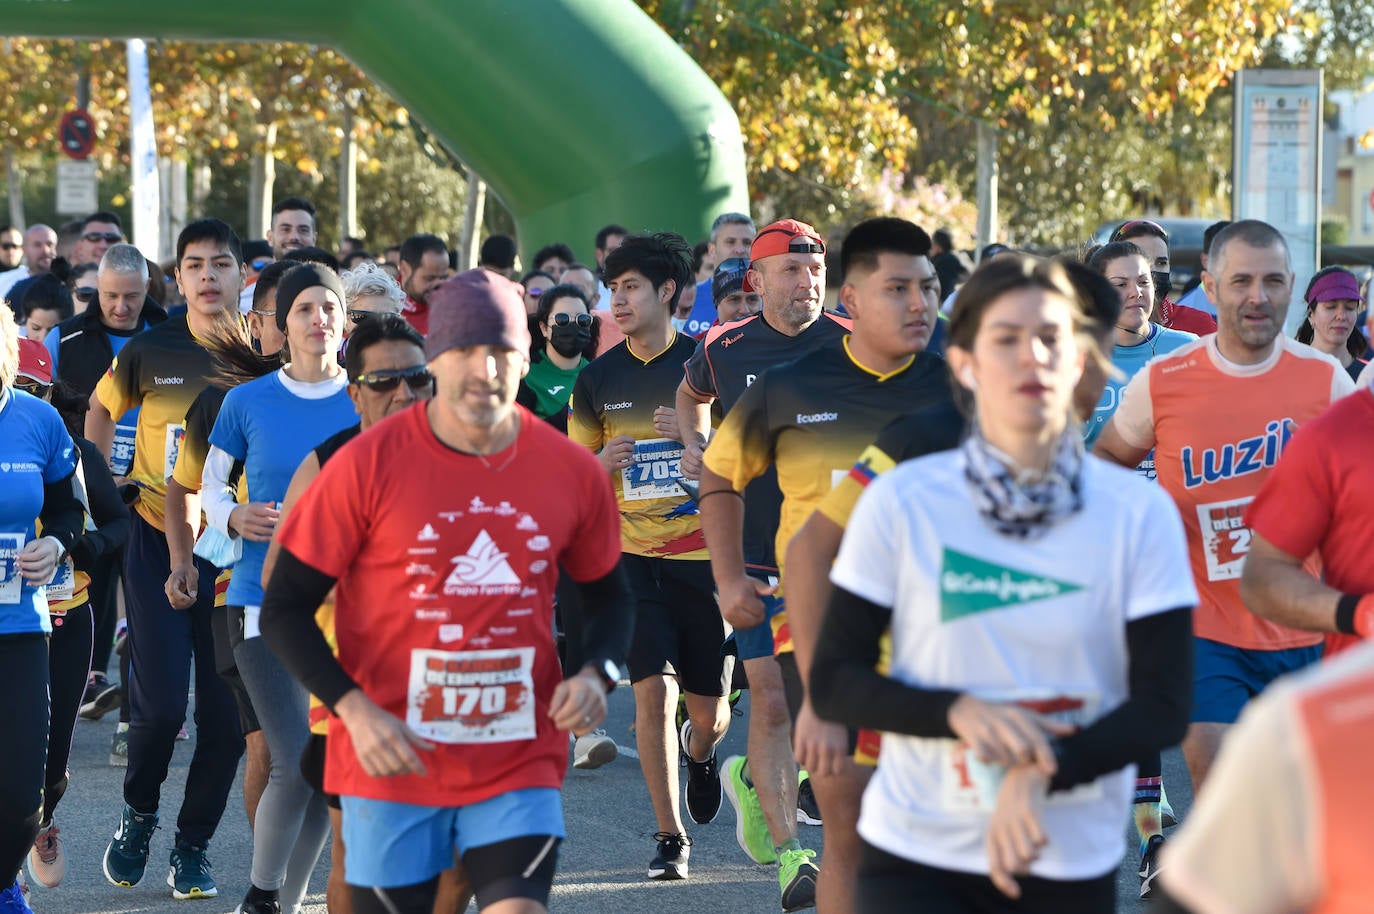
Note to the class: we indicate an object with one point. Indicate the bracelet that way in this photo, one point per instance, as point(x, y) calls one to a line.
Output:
point(704, 495)
point(1355, 614)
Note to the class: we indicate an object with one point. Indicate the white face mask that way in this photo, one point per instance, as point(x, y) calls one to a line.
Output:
point(679, 323)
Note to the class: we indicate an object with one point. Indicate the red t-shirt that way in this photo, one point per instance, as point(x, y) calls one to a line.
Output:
point(1181, 317)
point(1320, 498)
point(417, 315)
point(446, 571)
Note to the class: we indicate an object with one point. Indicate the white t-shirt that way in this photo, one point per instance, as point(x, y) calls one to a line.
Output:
point(1039, 621)
point(9, 278)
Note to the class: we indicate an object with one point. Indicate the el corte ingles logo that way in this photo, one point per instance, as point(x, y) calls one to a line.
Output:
point(971, 585)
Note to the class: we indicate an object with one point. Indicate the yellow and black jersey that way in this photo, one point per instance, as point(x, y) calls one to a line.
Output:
point(810, 419)
point(724, 365)
point(617, 395)
point(161, 370)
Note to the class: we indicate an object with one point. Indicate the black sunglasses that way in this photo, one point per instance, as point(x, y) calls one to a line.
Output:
point(10, 247)
point(111, 237)
point(386, 380)
point(357, 314)
point(1151, 228)
point(84, 294)
point(30, 386)
point(563, 319)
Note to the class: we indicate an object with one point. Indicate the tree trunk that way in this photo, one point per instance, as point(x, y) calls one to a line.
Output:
point(264, 175)
point(469, 238)
point(13, 181)
point(200, 187)
point(348, 180)
point(174, 203)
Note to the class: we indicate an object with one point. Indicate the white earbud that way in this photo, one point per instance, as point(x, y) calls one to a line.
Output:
point(966, 378)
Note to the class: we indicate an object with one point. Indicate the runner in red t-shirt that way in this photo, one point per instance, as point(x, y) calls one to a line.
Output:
point(1152, 238)
point(444, 532)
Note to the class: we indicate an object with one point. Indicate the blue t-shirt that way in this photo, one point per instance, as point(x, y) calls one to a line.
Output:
point(271, 427)
point(35, 450)
point(703, 311)
point(1128, 360)
point(126, 426)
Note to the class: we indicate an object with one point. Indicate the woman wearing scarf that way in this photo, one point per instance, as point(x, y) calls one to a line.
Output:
point(1039, 602)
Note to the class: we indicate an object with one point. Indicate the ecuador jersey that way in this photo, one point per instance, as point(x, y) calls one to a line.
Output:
point(1218, 429)
point(810, 419)
point(446, 565)
point(725, 363)
point(162, 370)
point(617, 395)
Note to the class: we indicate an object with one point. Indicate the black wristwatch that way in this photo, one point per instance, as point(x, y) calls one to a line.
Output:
point(609, 672)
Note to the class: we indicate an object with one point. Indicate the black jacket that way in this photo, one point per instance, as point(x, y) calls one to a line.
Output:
point(83, 349)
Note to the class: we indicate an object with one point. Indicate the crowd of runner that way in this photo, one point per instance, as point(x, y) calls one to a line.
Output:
point(981, 545)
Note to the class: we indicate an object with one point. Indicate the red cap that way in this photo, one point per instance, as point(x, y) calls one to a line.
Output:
point(35, 361)
point(783, 236)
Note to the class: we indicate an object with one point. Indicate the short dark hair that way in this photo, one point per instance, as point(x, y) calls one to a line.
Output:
point(870, 239)
point(549, 251)
point(995, 278)
point(103, 216)
point(1139, 228)
point(266, 286)
point(293, 203)
point(562, 290)
point(606, 231)
point(377, 328)
point(699, 254)
point(46, 292)
point(943, 238)
point(354, 240)
point(352, 258)
point(9, 228)
point(312, 255)
point(533, 273)
point(213, 230)
point(1211, 234)
point(391, 247)
point(658, 257)
point(414, 248)
point(1253, 232)
point(498, 251)
point(1103, 254)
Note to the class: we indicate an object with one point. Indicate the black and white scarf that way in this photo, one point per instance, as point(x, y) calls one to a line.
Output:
point(1022, 503)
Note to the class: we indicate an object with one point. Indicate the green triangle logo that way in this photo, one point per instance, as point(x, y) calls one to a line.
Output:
point(971, 585)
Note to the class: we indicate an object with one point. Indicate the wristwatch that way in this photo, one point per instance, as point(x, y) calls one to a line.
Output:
point(608, 670)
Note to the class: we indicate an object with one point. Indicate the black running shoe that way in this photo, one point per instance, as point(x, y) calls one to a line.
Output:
point(671, 860)
point(1149, 865)
point(703, 782)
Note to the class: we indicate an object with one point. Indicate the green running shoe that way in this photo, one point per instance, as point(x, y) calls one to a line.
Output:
point(797, 879)
point(751, 831)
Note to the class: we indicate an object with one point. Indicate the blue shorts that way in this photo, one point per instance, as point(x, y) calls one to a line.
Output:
point(390, 844)
point(1226, 677)
point(756, 642)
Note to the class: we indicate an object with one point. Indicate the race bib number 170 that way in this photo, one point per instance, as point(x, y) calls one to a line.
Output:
point(472, 696)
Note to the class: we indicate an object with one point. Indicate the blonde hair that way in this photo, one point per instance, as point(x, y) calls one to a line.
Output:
point(9, 347)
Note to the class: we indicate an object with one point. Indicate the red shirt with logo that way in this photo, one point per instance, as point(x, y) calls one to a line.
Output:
point(446, 566)
point(417, 315)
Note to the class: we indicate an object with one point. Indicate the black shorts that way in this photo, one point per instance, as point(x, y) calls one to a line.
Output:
point(678, 627)
point(223, 620)
point(792, 690)
point(312, 767)
point(889, 884)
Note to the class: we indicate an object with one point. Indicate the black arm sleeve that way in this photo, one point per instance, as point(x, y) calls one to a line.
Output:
point(108, 512)
point(1154, 717)
point(846, 686)
point(608, 609)
point(294, 593)
point(62, 514)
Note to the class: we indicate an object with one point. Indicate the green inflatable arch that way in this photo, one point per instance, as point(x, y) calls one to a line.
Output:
point(576, 112)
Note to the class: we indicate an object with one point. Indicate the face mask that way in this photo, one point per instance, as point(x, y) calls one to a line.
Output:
point(1162, 281)
point(569, 340)
point(679, 324)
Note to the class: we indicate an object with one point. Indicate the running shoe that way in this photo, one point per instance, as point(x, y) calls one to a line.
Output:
point(47, 859)
point(1149, 865)
point(808, 810)
point(127, 856)
point(751, 831)
point(1167, 819)
point(593, 750)
point(671, 860)
point(259, 901)
point(12, 900)
point(102, 697)
point(797, 879)
point(190, 875)
point(119, 746)
point(703, 781)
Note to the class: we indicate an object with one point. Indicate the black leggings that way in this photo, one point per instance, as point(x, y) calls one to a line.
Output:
point(889, 884)
point(24, 722)
point(69, 660)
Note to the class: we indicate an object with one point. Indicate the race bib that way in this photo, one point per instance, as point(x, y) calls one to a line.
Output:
point(970, 785)
point(63, 584)
point(175, 434)
point(656, 469)
point(1225, 538)
point(11, 584)
point(122, 450)
point(472, 696)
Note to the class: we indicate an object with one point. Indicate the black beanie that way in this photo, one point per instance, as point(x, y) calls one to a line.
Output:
point(297, 279)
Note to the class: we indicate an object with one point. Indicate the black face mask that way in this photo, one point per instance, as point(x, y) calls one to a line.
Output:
point(1162, 284)
point(570, 339)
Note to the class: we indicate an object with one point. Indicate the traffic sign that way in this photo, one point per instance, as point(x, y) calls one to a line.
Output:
point(77, 188)
point(77, 133)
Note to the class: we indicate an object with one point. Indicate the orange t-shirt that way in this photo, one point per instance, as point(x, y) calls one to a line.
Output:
point(1218, 429)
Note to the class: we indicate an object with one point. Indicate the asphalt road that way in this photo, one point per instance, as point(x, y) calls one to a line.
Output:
point(601, 870)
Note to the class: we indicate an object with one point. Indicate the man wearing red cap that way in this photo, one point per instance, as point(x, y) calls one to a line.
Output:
point(787, 267)
point(445, 532)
